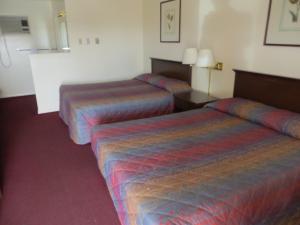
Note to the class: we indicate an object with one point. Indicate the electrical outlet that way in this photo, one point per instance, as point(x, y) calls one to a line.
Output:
point(97, 41)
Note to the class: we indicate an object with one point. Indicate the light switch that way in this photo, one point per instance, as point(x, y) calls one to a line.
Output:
point(97, 41)
point(88, 41)
point(80, 41)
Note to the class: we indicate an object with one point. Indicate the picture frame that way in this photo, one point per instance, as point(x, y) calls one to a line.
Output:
point(283, 23)
point(170, 21)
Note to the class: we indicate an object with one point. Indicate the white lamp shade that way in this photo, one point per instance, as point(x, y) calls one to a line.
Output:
point(190, 56)
point(206, 59)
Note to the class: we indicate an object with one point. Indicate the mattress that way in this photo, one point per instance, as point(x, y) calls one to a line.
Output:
point(204, 167)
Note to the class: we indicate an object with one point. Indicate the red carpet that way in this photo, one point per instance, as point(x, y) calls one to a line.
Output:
point(48, 180)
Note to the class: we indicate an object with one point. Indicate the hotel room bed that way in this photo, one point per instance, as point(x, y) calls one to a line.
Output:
point(86, 105)
point(233, 162)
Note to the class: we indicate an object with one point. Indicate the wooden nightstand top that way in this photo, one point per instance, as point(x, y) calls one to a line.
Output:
point(192, 100)
point(196, 97)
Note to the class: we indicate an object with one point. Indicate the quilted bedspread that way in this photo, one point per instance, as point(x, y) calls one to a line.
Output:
point(202, 167)
point(83, 106)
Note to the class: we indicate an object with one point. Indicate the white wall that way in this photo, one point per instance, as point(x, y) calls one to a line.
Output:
point(189, 31)
point(119, 26)
point(235, 30)
point(17, 80)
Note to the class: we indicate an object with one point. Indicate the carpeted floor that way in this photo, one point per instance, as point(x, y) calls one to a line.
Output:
point(48, 180)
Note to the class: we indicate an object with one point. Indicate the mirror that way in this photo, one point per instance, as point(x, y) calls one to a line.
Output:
point(60, 24)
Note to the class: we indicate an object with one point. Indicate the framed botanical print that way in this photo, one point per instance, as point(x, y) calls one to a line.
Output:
point(170, 21)
point(283, 25)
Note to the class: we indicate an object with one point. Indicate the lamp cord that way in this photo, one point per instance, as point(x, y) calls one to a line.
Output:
point(6, 49)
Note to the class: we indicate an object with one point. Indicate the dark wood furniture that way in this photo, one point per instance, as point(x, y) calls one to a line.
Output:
point(280, 92)
point(172, 69)
point(192, 100)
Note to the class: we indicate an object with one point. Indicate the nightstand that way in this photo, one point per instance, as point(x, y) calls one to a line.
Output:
point(192, 100)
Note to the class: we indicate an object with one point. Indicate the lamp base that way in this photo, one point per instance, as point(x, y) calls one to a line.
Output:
point(209, 81)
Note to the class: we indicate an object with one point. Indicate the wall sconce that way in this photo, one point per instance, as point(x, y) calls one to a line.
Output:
point(206, 60)
point(61, 14)
point(219, 66)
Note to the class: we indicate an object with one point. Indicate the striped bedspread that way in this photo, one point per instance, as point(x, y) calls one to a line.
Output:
point(84, 106)
point(202, 167)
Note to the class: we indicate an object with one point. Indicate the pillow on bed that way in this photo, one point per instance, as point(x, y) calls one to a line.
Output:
point(172, 85)
point(280, 120)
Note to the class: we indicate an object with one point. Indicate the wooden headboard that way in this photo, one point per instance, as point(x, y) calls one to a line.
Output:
point(172, 69)
point(281, 92)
